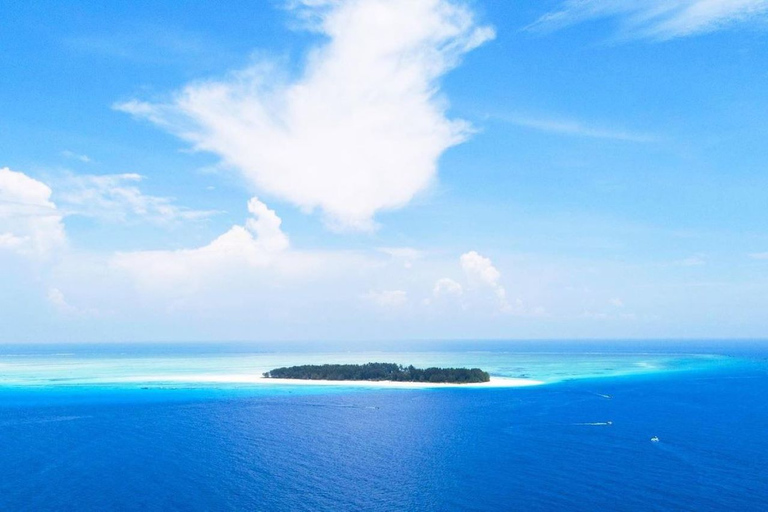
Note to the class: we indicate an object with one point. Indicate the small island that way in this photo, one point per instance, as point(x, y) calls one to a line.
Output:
point(380, 372)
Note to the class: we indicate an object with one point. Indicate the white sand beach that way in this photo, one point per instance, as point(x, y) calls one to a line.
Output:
point(495, 382)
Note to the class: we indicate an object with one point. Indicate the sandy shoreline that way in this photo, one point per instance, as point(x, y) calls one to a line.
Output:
point(495, 382)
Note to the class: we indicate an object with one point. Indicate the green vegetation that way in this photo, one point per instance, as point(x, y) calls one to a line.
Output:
point(380, 372)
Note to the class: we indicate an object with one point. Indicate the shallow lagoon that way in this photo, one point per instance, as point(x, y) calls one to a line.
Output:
point(99, 365)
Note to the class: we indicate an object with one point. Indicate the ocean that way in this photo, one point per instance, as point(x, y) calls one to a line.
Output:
point(89, 428)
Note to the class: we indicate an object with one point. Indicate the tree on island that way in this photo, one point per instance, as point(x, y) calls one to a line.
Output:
point(380, 372)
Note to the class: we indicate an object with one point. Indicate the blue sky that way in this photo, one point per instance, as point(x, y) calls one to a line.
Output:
point(421, 169)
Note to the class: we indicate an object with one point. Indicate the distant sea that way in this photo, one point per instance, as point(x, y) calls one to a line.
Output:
point(614, 426)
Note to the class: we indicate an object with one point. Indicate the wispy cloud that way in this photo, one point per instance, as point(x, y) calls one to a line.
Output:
point(387, 298)
point(576, 128)
point(655, 19)
point(696, 260)
point(447, 287)
point(405, 254)
point(759, 255)
point(118, 198)
point(151, 44)
point(76, 156)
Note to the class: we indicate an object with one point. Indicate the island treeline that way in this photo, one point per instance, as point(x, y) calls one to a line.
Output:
point(379, 372)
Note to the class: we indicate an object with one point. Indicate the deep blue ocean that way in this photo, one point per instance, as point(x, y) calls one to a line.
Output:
point(581, 444)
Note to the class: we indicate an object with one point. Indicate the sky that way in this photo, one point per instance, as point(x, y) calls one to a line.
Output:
point(367, 170)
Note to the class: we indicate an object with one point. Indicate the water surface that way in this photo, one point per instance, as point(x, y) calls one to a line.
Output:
point(76, 435)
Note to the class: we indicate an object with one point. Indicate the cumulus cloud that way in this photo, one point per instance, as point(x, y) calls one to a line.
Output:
point(481, 272)
point(256, 244)
point(118, 198)
point(480, 290)
point(30, 223)
point(56, 298)
point(360, 129)
point(657, 19)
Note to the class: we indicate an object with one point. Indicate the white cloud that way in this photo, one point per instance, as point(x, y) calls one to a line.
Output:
point(30, 223)
point(480, 268)
point(480, 271)
point(56, 298)
point(257, 244)
point(75, 156)
point(447, 287)
point(360, 130)
point(577, 128)
point(117, 198)
point(10, 241)
point(407, 255)
point(759, 255)
point(657, 19)
point(692, 261)
point(387, 298)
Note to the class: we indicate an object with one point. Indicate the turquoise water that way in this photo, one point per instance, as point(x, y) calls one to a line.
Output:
point(105, 365)
point(109, 428)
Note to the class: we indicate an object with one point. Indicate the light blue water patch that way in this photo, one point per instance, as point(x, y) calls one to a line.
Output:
point(228, 370)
